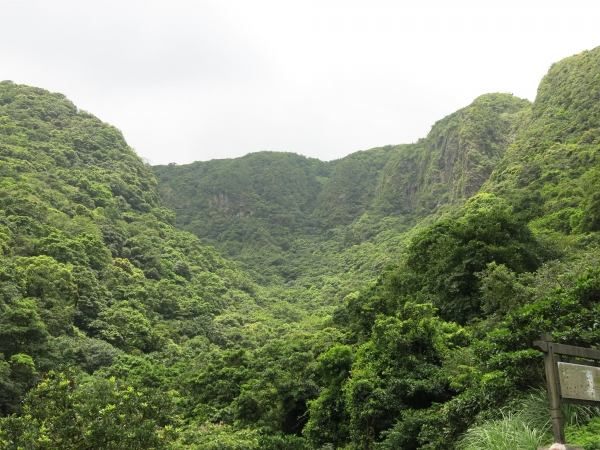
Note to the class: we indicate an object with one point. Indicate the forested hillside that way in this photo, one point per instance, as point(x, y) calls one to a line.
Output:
point(254, 208)
point(386, 300)
point(96, 280)
point(332, 226)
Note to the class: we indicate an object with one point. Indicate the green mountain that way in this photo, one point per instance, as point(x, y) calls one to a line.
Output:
point(93, 273)
point(386, 300)
point(350, 188)
point(550, 172)
point(266, 209)
point(259, 208)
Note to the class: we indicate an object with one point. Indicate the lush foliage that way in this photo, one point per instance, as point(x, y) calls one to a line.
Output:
point(443, 262)
point(62, 413)
point(387, 300)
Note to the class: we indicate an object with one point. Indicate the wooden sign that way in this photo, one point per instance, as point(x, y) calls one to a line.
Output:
point(569, 380)
point(579, 382)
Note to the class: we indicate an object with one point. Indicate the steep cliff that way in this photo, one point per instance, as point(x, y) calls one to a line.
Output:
point(453, 161)
point(550, 173)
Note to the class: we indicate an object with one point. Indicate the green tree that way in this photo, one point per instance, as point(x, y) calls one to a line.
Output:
point(400, 368)
point(63, 414)
point(17, 376)
point(124, 327)
point(21, 328)
point(328, 419)
point(443, 260)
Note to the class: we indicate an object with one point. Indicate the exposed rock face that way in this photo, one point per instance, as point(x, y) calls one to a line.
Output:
point(454, 160)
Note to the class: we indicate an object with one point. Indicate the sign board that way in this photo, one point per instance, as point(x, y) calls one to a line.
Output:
point(570, 381)
point(579, 382)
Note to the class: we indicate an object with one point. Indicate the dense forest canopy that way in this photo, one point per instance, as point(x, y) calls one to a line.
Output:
point(386, 300)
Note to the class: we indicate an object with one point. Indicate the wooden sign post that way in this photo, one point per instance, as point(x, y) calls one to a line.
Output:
point(569, 380)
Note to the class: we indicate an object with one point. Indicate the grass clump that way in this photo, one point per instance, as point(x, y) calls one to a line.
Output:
point(510, 432)
point(527, 426)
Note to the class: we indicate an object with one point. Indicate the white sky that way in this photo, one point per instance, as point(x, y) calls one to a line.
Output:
point(197, 80)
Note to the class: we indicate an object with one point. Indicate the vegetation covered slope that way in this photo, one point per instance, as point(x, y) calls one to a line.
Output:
point(384, 321)
point(92, 272)
point(413, 383)
point(254, 208)
point(262, 208)
point(455, 158)
point(251, 207)
point(349, 190)
point(550, 172)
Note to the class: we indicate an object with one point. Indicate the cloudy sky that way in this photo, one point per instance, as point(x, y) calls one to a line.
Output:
point(198, 80)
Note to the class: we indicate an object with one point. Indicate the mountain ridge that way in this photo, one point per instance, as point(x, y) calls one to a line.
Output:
point(407, 182)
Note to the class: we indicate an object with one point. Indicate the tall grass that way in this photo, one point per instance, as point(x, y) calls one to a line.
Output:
point(534, 410)
point(525, 427)
point(510, 432)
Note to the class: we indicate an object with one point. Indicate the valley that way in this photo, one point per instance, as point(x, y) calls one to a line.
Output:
point(385, 300)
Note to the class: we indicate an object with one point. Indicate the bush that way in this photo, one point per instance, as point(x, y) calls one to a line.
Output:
point(587, 436)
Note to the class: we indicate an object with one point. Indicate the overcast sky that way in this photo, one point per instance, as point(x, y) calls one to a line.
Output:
point(198, 80)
